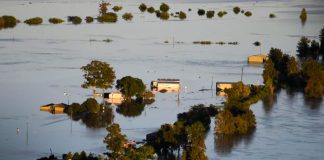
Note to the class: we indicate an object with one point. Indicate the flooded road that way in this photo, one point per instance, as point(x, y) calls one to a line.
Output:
point(39, 63)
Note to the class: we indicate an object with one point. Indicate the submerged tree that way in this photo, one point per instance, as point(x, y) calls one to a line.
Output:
point(196, 138)
point(103, 7)
point(303, 16)
point(98, 74)
point(115, 141)
point(236, 10)
point(130, 86)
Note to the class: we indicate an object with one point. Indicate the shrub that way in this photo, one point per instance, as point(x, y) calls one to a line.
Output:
point(220, 14)
point(91, 105)
point(55, 20)
point(248, 13)
point(210, 14)
point(201, 12)
point(74, 19)
point(236, 10)
point(9, 21)
point(34, 21)
point(164, 16)
point(108, 17)
point(271, 15)
point(303, 15)
point(158, 13)
point(142, 7)
point(182, 15)
point(89, 19)
point(117, 8)
point(151, 9)
point(164, 7)
point(127, 16)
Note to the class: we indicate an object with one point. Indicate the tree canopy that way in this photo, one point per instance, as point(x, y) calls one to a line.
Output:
point(130, 86)
point(98, 74)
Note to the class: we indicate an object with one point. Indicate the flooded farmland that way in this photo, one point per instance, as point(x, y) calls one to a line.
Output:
point(39, 63)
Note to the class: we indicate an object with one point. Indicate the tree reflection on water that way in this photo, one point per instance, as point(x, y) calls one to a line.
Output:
point(268, 102)
point(224, 144)
point(131, 109)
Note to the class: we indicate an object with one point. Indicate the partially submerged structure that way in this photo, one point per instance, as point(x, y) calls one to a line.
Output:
point(114, 97)
point(166, 84)
point(257, 59)
point(54, 108)
point(221, 86)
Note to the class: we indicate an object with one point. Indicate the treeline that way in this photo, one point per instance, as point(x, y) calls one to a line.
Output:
point(305, 73)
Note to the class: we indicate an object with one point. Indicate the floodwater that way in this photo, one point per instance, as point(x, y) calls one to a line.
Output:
point(39, 63)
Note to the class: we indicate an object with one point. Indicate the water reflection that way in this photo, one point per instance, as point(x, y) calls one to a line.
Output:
point(131, 109)
point(268, 102)
point(312, 103)
point(224, 144)
point(98, 120)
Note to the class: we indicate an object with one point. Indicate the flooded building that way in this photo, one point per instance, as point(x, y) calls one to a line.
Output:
point(114, 97)
point(221, 86)
point(53, 108)
point(258, 58)
point(166, 84)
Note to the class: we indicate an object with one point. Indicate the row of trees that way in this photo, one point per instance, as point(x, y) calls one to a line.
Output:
point(306, 73)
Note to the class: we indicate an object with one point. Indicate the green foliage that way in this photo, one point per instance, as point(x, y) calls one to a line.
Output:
point(8, 21)
point(276, 56)
point(303, 15)
point(130, 86)
point(117, 8)
point(292, 66)
point(164, 15)
point(210, 14)
point(303, 47)
point(89, 19)
point(164, 7)
point(74, 19)
point(201, 12)
point(103, 7)
point(98, 74)
point(248, 13)
point(220, 14)
point(142, 7)
point(311, 68)
point(196, 137)
point(127, 16)
point(182, 15)
point(109, 17)
point(91, 105)
point(271, 15)
point(314, 87)
point(55, 20)
point(34, 21)
point(256, 43)
point(236, 10)
point(151, 9)
point(237, 92)
point(115, 140)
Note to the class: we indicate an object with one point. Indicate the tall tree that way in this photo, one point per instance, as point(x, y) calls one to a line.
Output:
point(103, 7)
point(196, 138)
point(303, 47)
point(98, 75)
point(130, 86)
point(115, 141)
point(321, 37)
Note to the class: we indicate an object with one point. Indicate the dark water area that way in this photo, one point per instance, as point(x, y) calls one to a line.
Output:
point(39, 63)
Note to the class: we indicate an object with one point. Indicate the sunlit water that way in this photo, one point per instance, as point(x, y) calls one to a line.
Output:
point(39, 63)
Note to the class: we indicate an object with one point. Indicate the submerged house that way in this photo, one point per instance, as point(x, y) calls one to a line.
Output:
point(114, 97)
point(54, 108)
point(258, 58)
point(221, 86)
point(166, 84)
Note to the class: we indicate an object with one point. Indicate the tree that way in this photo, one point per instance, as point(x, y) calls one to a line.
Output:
point(248, 13)
point(292, 66)
point(164, 15)
point(34, 21)
point(303, 47)
point(269, 72)
point(303, 16)
point(182, 15)
point(321, 37)
point(130, 86)
point(201, 12)
point(98, 74)
point(91, 105)
point(210, 14)
point(142, 7)
point(314, 49)
point(236, 10)
point(103, 7)
point(311, 68)
point(151, 9)
point(127, 16)
point(276, 56)
point(196, 138)
point(115, 140)
point(164, 7)
point(314, 88)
